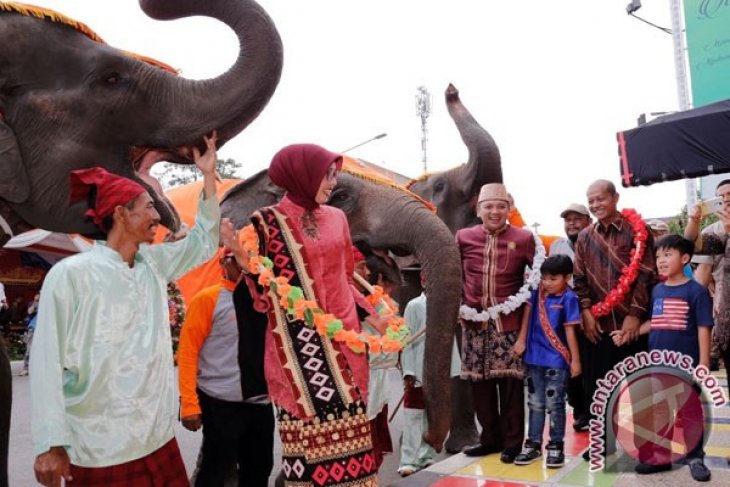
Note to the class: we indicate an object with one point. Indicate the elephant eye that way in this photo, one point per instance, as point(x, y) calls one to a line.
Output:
point(337, 197)
point(439, 186)
point(113, 78)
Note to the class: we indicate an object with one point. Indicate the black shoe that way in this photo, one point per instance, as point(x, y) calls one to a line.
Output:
point(587, 455)
point(480, 450)
point(581, 423)
point(555, 455)
point(699, 470)
point(509, 454)
point(530, 453)
point(648, 468)
point(714, 364)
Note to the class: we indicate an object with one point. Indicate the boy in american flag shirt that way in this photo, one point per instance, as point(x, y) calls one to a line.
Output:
point(680, 321)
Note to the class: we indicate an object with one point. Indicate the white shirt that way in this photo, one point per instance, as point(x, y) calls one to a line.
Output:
point(101, 369)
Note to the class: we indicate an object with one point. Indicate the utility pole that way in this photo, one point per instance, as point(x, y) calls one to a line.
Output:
point(680, 68)
point(535, 226)
point(423, 110)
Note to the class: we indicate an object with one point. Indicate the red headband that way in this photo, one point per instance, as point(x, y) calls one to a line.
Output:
point(111, 191)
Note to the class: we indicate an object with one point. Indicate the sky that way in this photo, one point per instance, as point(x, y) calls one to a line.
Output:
point(551, 81)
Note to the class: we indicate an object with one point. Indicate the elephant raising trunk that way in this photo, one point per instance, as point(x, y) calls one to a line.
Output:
point(232, 101)
point(454, 191)
point(69, 101)
point(388, 218)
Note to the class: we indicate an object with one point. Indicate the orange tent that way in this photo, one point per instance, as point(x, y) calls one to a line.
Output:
point(185, 199)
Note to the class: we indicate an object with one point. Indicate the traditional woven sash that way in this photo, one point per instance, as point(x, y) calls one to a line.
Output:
point(326, 441)
point(317, 371)
point(547, 329)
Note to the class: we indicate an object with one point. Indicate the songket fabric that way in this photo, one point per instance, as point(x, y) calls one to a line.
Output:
point(487, 354)
point(102, 377)
point(316, 383)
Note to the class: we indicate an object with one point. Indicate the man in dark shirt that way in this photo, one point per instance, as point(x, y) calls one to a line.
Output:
point(601, 252)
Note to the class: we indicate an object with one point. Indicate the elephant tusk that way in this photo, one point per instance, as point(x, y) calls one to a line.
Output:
point(5, 226)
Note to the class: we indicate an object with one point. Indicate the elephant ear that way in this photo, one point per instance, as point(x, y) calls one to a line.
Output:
point(14, 184)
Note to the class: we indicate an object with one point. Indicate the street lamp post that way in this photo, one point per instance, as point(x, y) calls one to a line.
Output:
point(379, 136)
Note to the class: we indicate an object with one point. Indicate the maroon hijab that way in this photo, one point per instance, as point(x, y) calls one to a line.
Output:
point(299, 169)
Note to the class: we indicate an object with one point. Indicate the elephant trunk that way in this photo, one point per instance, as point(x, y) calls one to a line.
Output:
point(485, 164)
point(231, 101)
point(435, 250)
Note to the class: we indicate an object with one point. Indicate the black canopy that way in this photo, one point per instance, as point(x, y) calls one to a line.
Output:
point(682, 145)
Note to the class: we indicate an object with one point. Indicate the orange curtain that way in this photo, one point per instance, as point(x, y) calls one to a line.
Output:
point(185, 199)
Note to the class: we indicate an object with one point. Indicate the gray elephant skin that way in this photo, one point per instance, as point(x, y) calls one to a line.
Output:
point(455, 193)
point(69, 101)
point(388, 218)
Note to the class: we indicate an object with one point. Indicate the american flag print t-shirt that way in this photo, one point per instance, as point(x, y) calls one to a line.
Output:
point(669, 314)
point(676, 312)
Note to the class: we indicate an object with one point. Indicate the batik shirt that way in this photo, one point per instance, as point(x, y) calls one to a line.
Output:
point(102, 379)
point(601, 253)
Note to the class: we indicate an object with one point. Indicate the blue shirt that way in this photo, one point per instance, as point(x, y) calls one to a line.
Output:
point(562, 310)
point(676, 312)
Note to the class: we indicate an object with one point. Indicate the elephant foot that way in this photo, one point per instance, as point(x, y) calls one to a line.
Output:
point(458, 440)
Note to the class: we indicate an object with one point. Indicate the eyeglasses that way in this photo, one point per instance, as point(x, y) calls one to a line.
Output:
point(331, 173)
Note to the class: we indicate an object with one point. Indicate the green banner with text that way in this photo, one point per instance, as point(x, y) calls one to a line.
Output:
point(707, 24)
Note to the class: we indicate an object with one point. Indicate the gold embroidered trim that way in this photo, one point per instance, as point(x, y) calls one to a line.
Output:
point(53, 16)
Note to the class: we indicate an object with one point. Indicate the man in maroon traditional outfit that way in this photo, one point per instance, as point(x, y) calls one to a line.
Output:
point(494, 256)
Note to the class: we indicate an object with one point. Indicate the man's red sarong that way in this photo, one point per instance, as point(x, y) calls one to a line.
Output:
point(162, 468)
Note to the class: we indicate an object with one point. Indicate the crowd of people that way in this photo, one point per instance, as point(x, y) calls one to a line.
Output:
point(103, 392)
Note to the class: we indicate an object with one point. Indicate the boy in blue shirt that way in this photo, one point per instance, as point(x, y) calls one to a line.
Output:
point(548, 340)
point(681, 321)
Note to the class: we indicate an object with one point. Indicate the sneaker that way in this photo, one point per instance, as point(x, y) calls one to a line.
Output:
point(23, 372)
point(480, 450)
point(581, 423)
point(555, 455)
point(530, 453)
point(699, 470)
point(650, 468)
point(509, 454)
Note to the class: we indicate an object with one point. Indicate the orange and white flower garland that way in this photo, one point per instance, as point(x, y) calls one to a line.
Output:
point(328, 325)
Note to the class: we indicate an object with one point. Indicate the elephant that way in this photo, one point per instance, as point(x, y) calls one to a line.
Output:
point(386, 217)
point(69, 101)
point(455, 192)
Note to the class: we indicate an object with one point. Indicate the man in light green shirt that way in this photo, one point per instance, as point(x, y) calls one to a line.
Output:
point(102, 380)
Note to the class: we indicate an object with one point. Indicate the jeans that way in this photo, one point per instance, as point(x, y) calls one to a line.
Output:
point(546, 394)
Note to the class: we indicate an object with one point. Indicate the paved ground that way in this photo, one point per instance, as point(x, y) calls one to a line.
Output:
point(461, 471)
point(451, 471)
point(20, 462)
